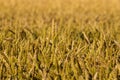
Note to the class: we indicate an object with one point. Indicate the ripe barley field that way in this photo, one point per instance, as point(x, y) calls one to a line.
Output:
point(59, 40)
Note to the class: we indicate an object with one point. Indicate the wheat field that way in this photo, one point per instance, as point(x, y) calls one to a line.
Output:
point(59, 40)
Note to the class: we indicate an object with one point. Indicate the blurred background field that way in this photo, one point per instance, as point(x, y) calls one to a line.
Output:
point(59, 40)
